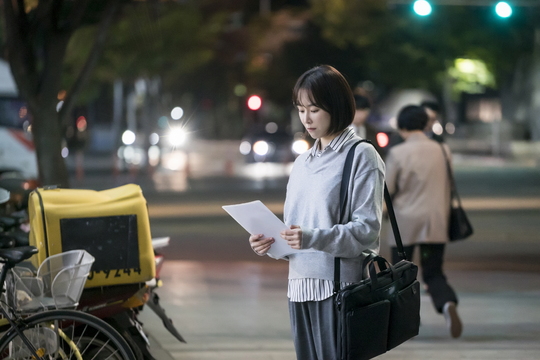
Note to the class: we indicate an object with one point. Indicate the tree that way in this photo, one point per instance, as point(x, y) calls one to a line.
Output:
point(37, 34)
point(403, 49)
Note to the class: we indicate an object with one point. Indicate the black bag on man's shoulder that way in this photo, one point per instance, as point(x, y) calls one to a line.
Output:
point(378, 313)
point(459, 227)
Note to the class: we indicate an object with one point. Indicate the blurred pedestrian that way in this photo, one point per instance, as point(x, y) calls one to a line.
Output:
point(360, 125)
point(312, 211)
point(418, 182)
point(433, 111)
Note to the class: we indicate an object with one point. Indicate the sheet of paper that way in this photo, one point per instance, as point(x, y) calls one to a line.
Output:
point(256, 218)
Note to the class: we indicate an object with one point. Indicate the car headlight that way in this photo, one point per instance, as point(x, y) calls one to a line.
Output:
point(300, 146)
point(177, 136)
point(128, 137)
point(261, 148)
point(245, 147)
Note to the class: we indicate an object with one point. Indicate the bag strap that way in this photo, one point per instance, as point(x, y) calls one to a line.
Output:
point(393, 222)
point(343, 199)
point(453, 190)
point(347, 168)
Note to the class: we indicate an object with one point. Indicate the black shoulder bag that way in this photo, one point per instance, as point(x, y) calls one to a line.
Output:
point(383, 311)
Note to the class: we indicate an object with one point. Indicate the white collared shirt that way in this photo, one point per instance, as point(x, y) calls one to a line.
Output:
point(335, 144)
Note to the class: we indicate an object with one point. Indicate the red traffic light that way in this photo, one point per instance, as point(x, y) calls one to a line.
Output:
point(254, 102)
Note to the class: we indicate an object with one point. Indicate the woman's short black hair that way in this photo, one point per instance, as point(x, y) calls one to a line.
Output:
point(329, 90)
point(412, 117)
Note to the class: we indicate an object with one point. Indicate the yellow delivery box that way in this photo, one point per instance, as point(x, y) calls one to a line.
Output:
point(112, 225)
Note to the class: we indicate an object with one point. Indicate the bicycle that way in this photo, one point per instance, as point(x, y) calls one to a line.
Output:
point(52, 332)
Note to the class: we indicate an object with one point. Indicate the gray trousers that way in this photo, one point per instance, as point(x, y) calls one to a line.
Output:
point(313, 328)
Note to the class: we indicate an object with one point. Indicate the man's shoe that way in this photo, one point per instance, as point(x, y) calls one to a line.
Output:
point(452, 319)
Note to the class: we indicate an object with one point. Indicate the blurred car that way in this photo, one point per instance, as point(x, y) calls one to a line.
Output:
point(135, 152)
point(271, 144)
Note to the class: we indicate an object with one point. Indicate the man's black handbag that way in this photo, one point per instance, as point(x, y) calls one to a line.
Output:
point(381, 312)
point(459, 226)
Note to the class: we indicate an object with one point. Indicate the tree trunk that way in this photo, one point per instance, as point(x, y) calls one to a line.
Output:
point(48, 142)
point(47, 129)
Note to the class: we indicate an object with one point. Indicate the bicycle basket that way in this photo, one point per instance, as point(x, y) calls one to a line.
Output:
point(58, 283)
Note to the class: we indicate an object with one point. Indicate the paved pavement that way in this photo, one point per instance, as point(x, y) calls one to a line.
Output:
point(235, 311)
point(238, 309)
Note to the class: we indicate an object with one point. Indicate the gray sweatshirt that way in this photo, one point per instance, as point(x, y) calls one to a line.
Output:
point(312, 202)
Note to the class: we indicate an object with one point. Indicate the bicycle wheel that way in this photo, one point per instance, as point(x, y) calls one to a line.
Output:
point(65, 334)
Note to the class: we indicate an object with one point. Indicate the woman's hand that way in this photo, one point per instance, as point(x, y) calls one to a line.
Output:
point(259, 244)
point(293, 236)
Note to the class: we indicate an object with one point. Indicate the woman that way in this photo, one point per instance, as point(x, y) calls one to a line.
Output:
point(418, 181)
point(326, 107)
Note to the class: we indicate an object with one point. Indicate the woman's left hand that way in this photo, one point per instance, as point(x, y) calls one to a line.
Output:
point(293, 236)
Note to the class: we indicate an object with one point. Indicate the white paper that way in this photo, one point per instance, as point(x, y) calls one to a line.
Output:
point(256, 218)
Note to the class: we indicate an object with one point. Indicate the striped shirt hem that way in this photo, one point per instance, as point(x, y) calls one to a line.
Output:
point(301, 290)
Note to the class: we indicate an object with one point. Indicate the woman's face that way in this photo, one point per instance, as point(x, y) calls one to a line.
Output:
point(315, 120)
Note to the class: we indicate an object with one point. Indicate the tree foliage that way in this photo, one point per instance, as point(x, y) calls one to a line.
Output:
point(167, 40)
point(407, 50)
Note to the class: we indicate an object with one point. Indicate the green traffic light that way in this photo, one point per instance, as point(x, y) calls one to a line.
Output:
point(503, 9)
point(422, 7)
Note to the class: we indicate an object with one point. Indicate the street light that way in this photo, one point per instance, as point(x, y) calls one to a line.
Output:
point(422, 7)
point(503, 9)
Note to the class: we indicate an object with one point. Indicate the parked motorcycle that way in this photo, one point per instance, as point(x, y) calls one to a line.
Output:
point(119, 305)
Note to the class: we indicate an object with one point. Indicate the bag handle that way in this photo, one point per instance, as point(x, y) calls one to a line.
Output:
point(383, 265)
point(343, 199)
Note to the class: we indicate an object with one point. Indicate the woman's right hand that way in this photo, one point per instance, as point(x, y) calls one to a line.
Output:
point(259, 244)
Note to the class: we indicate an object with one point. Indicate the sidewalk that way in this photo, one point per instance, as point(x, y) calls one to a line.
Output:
point(237, 311)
